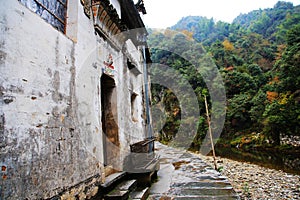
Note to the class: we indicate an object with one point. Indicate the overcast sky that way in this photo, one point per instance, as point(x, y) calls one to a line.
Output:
point(166, 13)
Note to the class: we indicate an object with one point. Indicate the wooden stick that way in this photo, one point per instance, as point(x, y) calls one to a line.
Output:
point(210, 134)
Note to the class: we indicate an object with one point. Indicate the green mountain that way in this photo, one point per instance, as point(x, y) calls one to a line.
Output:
point(258, 57)
point(271, 23)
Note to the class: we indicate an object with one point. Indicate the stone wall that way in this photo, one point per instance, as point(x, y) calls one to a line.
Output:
point(51, 137)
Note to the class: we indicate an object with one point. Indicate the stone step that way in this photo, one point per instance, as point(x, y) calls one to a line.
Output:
point(139, 194)
point(128, 185)
point(122, 190)
point(117, 195)
point(205, 177)
point(113, 179)
point(204, 184)
point(194, 197)
point(233, 197)
point(203, 192)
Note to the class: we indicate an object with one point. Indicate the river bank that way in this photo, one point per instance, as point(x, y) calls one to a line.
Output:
point(285, 157)
point(252, 181)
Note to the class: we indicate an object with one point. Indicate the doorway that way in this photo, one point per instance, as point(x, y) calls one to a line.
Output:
point(109, 119)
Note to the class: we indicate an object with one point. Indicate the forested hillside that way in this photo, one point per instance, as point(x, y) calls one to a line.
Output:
point(258, 57)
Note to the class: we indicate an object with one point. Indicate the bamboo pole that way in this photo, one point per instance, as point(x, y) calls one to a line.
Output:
point(210, 134)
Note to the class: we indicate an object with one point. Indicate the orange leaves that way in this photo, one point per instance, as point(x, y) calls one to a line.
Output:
point(230, 68)
point(271, 96)
point(280, 50)
point(281, 98)
point(274, 80)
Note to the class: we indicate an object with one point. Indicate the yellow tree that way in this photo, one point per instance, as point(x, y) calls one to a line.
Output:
point(188, 34)
point(228, 45)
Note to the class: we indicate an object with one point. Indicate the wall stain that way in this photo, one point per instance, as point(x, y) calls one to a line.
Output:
point(73, 102)
point(49, 71)
point(3, 56)
point(56, 96)
point(57, 52)
point(7, 99)
point(3, 29)
point(2, 89)
point(2, 124)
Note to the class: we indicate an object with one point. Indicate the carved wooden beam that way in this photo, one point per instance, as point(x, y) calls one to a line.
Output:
point(87, 7)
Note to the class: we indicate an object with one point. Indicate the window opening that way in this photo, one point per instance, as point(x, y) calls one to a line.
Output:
point(133, 107)
point(133, 68)
point(52, 11)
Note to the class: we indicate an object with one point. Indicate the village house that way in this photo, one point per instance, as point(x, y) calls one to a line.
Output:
point(74, 97)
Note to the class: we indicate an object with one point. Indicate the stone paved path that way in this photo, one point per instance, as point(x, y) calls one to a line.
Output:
point(183, 175)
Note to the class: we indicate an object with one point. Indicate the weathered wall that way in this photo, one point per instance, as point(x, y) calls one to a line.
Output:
point(133, 130)
point(50, 98)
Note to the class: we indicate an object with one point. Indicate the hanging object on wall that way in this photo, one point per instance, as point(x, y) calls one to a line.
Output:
point(108, 68)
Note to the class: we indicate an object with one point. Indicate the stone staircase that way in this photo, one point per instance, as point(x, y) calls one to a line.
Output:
point(120, 186)
point(140, 168)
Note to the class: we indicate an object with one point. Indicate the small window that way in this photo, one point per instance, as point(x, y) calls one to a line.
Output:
point(52, 11)
point(134, 107)
point(133, 68)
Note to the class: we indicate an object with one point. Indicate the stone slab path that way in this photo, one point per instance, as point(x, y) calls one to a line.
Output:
point(183, 175)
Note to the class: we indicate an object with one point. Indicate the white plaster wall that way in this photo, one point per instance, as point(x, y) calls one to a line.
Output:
point(87, 86)
point(42, 148)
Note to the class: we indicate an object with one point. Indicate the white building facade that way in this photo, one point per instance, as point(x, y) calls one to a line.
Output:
point(72, 94)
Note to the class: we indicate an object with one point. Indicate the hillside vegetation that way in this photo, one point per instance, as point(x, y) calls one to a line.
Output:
point(258, 57)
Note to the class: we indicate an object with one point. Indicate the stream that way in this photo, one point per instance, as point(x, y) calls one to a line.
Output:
point(280, 161)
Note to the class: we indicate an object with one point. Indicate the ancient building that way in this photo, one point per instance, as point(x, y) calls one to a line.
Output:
point(73, 94)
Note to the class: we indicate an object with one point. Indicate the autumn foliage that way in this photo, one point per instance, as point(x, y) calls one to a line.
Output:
point(271, 96)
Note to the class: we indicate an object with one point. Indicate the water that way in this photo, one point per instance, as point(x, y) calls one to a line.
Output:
point(280, 161)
